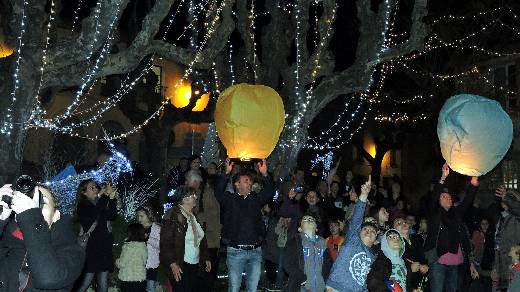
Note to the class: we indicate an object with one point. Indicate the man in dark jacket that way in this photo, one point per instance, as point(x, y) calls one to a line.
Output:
point(447, 240)
point(38, 249)
point(242, 225)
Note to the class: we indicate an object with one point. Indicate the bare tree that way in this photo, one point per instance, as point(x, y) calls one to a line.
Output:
point(68, 56)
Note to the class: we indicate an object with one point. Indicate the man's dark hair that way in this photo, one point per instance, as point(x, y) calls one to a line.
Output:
point(237, 176)
point(135, 232)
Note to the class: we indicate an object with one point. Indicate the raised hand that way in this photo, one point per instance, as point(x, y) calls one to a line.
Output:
point(262, 167)
point(229, 165)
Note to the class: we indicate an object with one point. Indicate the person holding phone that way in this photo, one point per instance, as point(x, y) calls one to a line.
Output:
point(95, 205)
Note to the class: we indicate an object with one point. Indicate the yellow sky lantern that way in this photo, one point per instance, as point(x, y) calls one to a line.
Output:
point(249, 120)
point(5, 50)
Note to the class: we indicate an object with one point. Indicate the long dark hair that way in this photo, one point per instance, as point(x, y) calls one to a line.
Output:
point(82, 188)
point(136, 233)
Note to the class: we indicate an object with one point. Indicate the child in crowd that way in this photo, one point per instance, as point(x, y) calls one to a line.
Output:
point(146, 217)
point(132, 262)
point(352, 265)
point(335, 240)
point(306, 259)
point(514, 285)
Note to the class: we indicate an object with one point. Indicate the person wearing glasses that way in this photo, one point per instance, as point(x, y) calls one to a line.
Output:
point(183, 247)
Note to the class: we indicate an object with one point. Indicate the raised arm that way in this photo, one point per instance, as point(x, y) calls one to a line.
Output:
point(267, 193)
point(471, 192)
point(359, 210)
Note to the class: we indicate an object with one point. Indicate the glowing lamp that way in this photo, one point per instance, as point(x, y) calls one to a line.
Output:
point(5, 50)
point(474, 132)
point(182, 95)
point(201, 103)
point(249, 120)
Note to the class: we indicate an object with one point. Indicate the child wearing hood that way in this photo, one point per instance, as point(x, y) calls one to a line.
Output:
point(389, 271)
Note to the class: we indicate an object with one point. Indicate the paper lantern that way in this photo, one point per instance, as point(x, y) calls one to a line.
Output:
point(201, 103)
point(474, 132)
point(181, 97)
point(249, 120)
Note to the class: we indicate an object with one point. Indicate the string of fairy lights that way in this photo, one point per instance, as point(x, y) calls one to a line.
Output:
point(7, 123)
point(339, 133)
point(110, 102)
point(160, 109)
point(328, 140)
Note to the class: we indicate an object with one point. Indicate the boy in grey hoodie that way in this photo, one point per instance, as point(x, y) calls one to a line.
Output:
point(350, 270)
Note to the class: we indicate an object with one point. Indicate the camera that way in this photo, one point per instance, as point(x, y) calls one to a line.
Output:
point(299, 189)
point(24, 184)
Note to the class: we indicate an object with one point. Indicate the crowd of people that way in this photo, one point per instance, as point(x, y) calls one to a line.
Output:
point(342, 233)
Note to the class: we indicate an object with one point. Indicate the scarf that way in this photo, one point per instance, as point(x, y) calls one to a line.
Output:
point(194, 226)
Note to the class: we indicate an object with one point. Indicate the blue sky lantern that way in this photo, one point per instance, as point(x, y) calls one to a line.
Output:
point(474, 132)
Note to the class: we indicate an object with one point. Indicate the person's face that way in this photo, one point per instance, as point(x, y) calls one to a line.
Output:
point(400, 205)
point(195, 164)
point(142, 218)
point(266, 209)
point(322, 187)
point(299, 176)
point(349, 176)
point(212, 169)
point(192, 183)
point(334, 228)
point(190, 202)
point(410, 220)
point(423, 225)
point(513, 253)
point(334, 188)
point(312, 198)
point(244, 185)
point(308, 224)
point(368, 235)
point(446, 201)
point(353, 195)
point(91, 190)
point(396, 188)
point(394, 242)
point(383, 215)
point(402, 226)
point(183, 163)
point(484, 225)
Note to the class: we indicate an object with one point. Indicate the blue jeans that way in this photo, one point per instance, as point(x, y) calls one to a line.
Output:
point(280, 274)
point(443, 278)
point(239, 261)
point(101, 279)
point(150, 285)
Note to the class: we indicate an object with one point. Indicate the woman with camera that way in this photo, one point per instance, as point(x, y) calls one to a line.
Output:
point(39, 248)
point(96, 206)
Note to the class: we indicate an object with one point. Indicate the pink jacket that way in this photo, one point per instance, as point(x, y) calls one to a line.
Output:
point(153, 247)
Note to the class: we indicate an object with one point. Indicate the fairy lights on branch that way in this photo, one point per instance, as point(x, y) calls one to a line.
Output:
point(7, 123)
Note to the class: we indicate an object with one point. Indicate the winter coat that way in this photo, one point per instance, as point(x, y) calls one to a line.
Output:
point(434, 242)
point(132, 262)
point(414, 251)
point(514, 282)
point(173, 234)
point(508, 234)
point(388, 266)
point(55, 259)
point(270, 250)
point(99, 256)
point(152, 245)
point(230, 203)
point(209, 216)
point(317, 261)
point(352, 265)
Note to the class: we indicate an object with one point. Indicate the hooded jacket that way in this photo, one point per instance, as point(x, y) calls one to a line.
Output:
point(350, 270)
point(389, 266)
point(54, 258)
